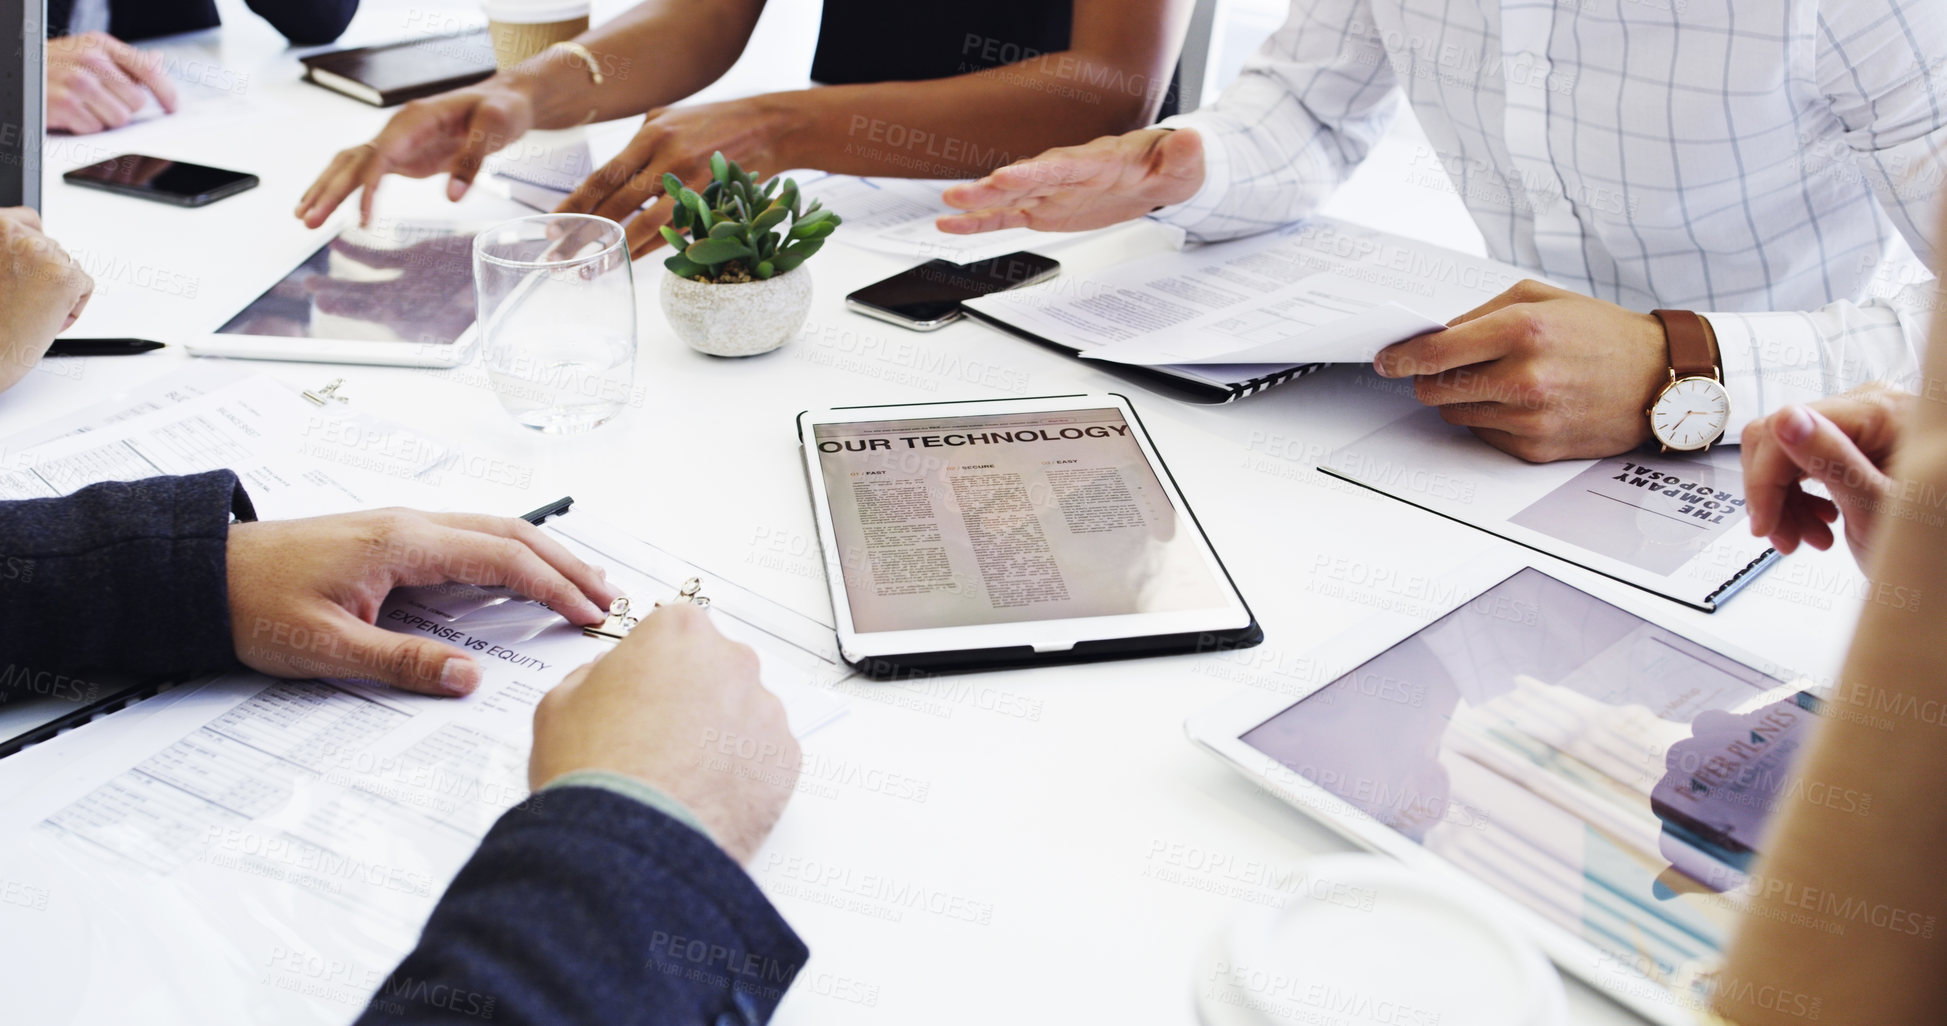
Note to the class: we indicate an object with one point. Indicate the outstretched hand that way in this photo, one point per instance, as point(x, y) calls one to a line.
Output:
point(452, 133)
point(1114, 179)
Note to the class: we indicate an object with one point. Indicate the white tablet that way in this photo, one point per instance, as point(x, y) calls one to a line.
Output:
point(1605, 780)
point(1010, 532)
point(399, 293)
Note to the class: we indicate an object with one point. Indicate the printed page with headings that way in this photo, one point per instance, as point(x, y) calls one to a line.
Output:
point(1321, 291)
point(266, 851)
point(1670, 523)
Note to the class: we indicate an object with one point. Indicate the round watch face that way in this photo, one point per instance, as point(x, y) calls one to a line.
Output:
point(1690, 414)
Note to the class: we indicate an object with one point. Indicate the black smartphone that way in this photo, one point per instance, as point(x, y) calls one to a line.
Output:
point(928, 296)
point(165, 181)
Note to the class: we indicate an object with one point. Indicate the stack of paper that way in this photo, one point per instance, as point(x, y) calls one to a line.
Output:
point(1322, 291)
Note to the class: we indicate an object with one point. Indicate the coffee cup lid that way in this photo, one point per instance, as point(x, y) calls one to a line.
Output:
point(534, 12)
point(1364, 941)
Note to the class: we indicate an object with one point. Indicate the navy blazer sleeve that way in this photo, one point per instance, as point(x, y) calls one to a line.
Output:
point(127, 577)
point(583, 907)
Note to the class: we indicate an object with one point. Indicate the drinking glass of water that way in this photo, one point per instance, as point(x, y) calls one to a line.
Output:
point(556, 303)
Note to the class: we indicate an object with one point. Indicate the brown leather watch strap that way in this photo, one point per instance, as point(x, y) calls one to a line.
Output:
point(1691, 353)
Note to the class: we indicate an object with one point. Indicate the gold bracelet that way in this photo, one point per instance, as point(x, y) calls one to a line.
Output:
point(594, 66)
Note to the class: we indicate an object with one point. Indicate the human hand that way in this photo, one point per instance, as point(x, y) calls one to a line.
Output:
point(42, 289)
point(1844, 443)
point(452, 132)
point(1540, 372)
point(96, 82)
point(679, 141)
point(305, 594)
point(680, 706)
point(1114, 179)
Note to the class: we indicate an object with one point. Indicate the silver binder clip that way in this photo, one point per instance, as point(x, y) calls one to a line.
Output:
point(691, 594)
point(618, 624)
point(327, 394)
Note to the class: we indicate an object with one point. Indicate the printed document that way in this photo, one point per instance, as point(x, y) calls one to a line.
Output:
point(1670, 523)
point(1322, 291)
point(256, 426)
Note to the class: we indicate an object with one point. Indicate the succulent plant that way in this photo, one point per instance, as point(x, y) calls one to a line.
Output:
point(739, 231)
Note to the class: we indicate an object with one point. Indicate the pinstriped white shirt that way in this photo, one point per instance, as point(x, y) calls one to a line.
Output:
point(1776, 164)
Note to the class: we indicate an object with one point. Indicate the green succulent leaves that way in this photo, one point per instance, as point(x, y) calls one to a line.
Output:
point(736, 221)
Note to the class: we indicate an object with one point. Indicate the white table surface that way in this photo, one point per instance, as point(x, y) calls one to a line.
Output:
point(1050, 796)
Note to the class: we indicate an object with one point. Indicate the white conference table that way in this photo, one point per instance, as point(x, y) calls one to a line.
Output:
point(1052, 797)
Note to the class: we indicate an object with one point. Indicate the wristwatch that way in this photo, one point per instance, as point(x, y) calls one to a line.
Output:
point(1691, 412)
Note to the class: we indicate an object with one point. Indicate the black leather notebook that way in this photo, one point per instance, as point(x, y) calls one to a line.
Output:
point(391, 74)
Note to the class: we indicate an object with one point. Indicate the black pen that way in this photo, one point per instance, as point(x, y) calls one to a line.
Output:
point(101, 346)
point(552, 509)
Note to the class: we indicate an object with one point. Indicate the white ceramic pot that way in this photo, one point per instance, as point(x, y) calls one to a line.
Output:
point(742, 319)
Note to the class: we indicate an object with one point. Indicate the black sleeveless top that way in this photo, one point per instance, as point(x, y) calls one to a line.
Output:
point(915, 40)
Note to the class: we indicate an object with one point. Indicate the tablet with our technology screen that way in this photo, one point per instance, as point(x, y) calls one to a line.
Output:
point(1606, 778)
point(398, 292)
point(986, 534)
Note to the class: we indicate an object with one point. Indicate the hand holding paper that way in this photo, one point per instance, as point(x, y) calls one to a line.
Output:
point(1319, 292)
point(1541, 372)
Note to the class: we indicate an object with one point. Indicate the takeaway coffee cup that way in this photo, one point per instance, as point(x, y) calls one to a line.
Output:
point(522, 28)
